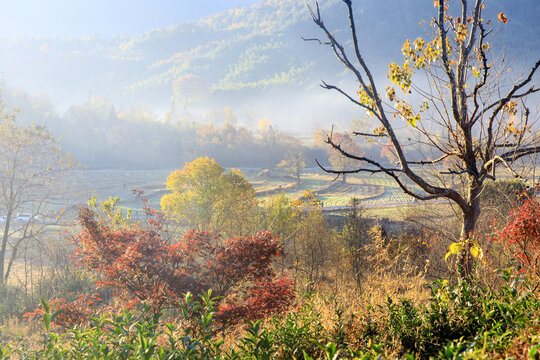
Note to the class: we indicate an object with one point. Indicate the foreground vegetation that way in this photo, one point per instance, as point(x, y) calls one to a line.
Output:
point(366, 295)
point(458, 321)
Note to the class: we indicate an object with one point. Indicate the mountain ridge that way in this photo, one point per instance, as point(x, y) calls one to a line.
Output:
point(244, 51)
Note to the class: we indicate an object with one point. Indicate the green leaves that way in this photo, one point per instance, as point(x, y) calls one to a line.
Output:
point(48, 318)
point(460, 320)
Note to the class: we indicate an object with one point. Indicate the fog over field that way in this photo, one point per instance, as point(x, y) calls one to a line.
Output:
point(247, 57)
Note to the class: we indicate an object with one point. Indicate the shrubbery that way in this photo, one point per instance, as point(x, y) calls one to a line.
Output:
point(139, 266)
point(521, 236)
point(459, 321)
point(205, 297)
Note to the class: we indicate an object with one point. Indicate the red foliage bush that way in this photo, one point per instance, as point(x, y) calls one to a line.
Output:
point(72, 312)
point(260, 301)
point(521, 237)
point(140, 266)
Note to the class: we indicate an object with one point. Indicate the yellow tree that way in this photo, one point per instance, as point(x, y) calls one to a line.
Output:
point(206, 197)
point(472, 117)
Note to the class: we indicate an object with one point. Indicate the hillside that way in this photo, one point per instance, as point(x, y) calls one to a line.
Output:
point(246, 51)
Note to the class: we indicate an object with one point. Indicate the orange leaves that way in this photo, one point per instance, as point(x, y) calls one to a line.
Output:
point(139, 266)
point(307, 201)
point(366, 97)
point(502, 18)
point(461, 32)
point(510, 108)
point(406, 112)
point(418, 55)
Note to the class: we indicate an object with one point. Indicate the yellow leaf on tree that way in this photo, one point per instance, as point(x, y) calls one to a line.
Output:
point(477, 252)
point(455, 248)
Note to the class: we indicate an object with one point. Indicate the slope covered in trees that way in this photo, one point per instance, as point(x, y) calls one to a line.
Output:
point(238, 51)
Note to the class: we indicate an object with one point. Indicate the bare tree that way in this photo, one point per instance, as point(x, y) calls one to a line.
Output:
point(341, 163)
point(472, 121)
point(32, 186)
point(293, 164)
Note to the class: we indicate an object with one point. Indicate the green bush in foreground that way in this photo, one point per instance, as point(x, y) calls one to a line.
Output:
point(460, 321)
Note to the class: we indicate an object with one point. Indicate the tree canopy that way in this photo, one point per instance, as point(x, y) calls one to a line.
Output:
point(206, 197)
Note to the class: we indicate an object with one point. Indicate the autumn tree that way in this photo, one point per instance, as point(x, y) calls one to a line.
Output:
point(206, 197)
point(471, 114)
point(278, 216)
point(312, 246)
point(137, 264)
point(293, 164)
point(354, 236)
point(33, 185)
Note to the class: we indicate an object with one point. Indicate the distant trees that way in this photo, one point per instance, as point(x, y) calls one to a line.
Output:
point(206, 197)
point(293, 164)
point(190, 89)
point(33, 185)
point(103, 136)
point(471, 115)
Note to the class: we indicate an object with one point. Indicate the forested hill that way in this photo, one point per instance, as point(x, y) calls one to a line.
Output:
point(241, 51)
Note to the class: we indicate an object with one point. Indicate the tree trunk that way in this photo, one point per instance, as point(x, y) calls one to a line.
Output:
point(470, 218)
point(4, 245)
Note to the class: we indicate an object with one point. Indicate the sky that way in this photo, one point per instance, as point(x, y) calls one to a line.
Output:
point(104, 17)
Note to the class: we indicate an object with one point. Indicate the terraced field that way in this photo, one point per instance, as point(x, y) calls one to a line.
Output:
point(371, 190)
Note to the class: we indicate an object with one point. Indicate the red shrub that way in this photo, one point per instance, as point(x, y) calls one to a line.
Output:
point(141, 267)
point(264, 297)
point(72, 312)
point(521, 237)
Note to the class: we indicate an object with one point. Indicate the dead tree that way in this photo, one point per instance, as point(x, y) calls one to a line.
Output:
point(469, 119)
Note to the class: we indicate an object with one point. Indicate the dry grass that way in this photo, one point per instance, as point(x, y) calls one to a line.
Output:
point(15, 330)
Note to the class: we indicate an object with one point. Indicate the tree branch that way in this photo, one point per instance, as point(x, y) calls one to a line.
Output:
point(332, 87)
point(368, 134)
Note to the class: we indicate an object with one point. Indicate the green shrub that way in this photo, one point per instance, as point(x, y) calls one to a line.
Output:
point(460, 321)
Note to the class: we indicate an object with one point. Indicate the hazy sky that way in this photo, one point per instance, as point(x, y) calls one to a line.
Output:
point(105, 17)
